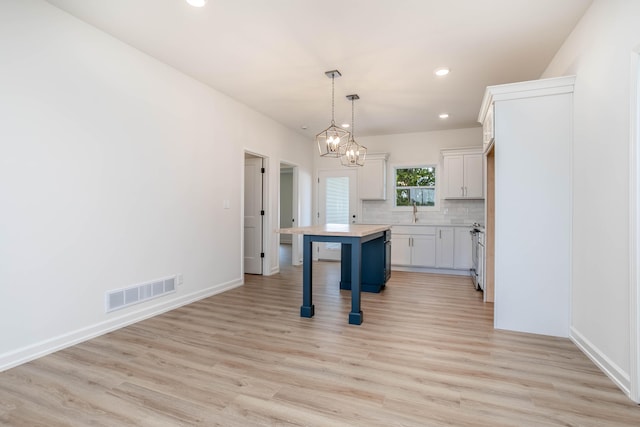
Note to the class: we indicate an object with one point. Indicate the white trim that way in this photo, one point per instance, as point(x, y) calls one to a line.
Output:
point(433, 270)
point(634, 227)
point(460, 151)
point(25, 354)
point(529, 89)
point(606, 365)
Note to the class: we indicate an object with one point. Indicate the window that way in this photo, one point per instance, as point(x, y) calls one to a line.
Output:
point(415, 185)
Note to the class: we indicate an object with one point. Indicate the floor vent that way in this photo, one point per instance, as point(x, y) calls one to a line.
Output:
point(122, 298)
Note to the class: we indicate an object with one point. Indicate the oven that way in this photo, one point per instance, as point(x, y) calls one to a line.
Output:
point(480, 261)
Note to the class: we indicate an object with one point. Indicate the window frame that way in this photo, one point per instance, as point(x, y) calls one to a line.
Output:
point(435, 187)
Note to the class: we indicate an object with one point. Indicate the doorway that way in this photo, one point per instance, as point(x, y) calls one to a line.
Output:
point(289, 215)
point(253, 214)
point(337, 204)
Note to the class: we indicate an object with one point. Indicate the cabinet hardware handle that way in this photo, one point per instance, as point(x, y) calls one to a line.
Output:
point(462, 190)
point(440, 233)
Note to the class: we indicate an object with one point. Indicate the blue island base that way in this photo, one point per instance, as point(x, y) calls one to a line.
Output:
point(374, 266)
point(364, 287)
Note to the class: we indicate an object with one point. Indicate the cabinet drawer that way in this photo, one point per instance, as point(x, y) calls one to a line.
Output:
point(414, 230)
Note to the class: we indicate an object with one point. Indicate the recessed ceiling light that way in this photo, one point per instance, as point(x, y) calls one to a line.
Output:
point(444, 115)
point(442, 71)
point(197, 3)
point(345, 125)
point(305, 127)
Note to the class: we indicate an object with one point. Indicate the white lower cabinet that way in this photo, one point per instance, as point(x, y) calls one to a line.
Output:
point(400, 249)
point(462, 245)
point(413, 246)
point(444, 248)
point(434, 247)
point(423, 251)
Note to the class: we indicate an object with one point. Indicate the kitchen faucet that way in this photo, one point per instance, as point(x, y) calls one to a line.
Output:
point(415, 213)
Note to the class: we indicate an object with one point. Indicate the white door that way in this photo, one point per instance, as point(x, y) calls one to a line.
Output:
point(337, 205)
point(253, 215)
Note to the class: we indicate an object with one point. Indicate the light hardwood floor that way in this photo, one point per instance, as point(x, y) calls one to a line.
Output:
point(426, 355)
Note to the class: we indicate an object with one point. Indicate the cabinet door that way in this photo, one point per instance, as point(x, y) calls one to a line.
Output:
point(400, 249)
point(462, 247)
point(473, 176)
point(444, 247)
point(424, 251)
point(487, 128)
point(372, 180)
point(454, 176)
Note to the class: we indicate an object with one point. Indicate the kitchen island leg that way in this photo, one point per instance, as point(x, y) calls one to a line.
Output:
point(307, 309)
point(355, 317)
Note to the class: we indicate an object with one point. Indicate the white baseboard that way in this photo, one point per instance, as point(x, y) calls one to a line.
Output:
point(431, 270)
point(25, 354)
point(274, 270)
point(606, 365)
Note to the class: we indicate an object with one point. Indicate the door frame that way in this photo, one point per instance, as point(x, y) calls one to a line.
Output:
point(266, 241)
point(634, 226)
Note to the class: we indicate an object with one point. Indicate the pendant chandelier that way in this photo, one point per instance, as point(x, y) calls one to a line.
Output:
point(332, 140)
point(353, 154)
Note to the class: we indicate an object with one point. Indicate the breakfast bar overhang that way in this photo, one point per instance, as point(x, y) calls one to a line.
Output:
point(352, 237)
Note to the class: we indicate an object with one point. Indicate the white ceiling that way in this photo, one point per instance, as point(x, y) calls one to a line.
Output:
point(272, 54)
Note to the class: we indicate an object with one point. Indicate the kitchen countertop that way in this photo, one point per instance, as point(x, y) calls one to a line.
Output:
point(347, 230)
point(433, 224)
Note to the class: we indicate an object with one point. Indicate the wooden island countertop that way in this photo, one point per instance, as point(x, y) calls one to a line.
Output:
point(347, 230)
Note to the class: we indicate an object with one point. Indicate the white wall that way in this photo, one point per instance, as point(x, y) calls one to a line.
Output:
point(415, 149)
point(533, 207)
point(113, 171)
point(599, 52)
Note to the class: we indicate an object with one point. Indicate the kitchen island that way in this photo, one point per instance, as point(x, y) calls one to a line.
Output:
point(353, 237)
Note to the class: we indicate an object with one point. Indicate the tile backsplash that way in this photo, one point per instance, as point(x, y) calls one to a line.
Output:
point(449, 212)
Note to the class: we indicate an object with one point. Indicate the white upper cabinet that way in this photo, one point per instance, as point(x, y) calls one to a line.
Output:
point(487, 128)
point(463, 174)
point(372, 178)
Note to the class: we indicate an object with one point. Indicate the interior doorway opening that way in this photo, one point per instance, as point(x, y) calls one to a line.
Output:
point(289, 245)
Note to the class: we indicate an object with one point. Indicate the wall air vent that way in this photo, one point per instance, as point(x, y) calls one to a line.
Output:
point(121, 298)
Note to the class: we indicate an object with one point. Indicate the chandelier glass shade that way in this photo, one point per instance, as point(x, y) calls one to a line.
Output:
point(352, 154)
point(331, 141)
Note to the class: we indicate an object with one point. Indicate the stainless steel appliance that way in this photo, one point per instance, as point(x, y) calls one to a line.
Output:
point(480, 267)
point(477, 256)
